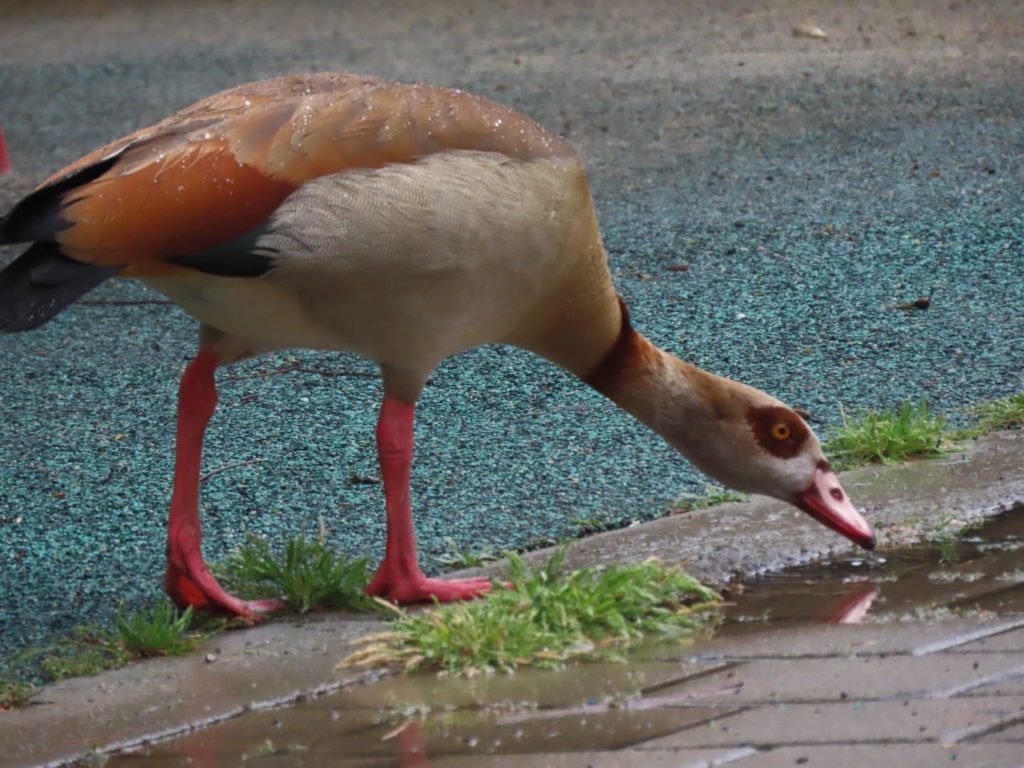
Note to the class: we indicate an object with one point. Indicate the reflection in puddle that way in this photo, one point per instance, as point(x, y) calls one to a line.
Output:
point(423, 720)
point(855, 610)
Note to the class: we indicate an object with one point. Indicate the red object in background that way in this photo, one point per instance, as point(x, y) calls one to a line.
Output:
point(5, 159)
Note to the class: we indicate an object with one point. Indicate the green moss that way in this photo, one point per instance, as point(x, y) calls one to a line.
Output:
point(1004, 413)
point(14, 694)
point(88, 650)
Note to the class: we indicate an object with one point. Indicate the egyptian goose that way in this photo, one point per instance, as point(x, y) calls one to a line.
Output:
point(405, 223)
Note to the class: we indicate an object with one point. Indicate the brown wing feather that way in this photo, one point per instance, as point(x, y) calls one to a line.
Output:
point(219, 168)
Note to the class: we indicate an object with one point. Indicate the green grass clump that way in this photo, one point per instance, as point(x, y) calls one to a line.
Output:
point(885, 437)
point(14, 694)
point(545, 618)
point(454, 557)
point(162, 631)
point(890, 436)
point(691, 502)
point(597, 522)
point(1006, 413)
point(88, 650)
point(307, 575)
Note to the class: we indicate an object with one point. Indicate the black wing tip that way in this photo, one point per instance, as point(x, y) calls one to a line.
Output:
point(42, 282)
point(37, 215)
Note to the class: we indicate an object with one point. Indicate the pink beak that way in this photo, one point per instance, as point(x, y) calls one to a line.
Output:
point(827, 503)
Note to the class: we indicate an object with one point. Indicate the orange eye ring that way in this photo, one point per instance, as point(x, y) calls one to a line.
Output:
point(781, 431)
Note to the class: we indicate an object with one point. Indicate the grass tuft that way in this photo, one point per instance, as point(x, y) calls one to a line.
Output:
point(1005, 413)
point(885, 437)
point(269, 749)
point(454, 557)
point(161, 631)
point(15, 694)
point(545, 619)
point(88, 650)
point(307, 575)
point(714, 496)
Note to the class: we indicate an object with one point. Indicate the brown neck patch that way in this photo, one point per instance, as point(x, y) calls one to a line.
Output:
point(625, 352)
point(778, 430)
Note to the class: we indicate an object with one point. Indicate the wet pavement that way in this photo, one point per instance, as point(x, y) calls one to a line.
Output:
point(978, 571)
point(781, 619)
point(912, 657)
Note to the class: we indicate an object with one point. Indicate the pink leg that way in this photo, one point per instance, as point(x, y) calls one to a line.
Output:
point(5, 159)
point(412, 747)
point(399, 577)
point(189, 581)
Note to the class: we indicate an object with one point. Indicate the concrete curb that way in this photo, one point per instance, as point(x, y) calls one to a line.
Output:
point(286, 660)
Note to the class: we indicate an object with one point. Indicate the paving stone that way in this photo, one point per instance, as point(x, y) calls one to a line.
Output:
point(684, 758)
point(1014, 686)
point(911, 721)
point(284, 759)
point(572, 731)
point(981, 684)
point(576, 684)
point(758, 640)
point(803, 680)
point(263, 732)
point(263, 664)
point(322, 735)
point(1015, 733)
point(1001, 643)
point(889, 755)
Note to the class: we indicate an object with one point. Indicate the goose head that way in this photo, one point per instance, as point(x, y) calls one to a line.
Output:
point(750, 441)
point(739, 435)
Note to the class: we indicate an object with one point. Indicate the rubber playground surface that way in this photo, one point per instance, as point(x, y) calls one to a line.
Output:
point(767, 202)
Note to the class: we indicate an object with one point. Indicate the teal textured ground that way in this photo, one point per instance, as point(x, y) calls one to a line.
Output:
point(798, 240)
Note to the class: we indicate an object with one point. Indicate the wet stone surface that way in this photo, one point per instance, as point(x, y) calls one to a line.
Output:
point(977, 572)
point(912, 657)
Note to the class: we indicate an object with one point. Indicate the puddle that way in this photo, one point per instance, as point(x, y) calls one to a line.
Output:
point(981, 570)
point(425, 720)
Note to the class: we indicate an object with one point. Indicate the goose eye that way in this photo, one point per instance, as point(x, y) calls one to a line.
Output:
point(778, 430)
